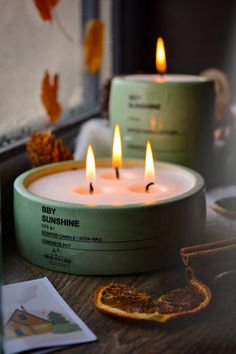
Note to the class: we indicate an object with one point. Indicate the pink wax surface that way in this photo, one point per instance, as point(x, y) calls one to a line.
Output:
point(71, 186)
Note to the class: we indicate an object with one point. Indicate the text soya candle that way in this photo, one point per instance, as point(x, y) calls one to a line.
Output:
point(119, 228)
point(174, 112)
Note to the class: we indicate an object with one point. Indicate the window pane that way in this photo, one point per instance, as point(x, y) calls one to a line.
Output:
point(30, 46)
point(105, 11)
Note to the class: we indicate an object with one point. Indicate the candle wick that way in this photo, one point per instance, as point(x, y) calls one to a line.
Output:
point(117, 172)
point(91, 188)
point(148, 185)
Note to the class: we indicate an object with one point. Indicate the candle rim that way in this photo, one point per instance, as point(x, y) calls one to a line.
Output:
point(195, 79)
point(20, 185)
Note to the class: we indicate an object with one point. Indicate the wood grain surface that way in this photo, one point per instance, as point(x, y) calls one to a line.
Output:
point(212, 331)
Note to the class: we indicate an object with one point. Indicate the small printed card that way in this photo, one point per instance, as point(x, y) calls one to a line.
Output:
point(35, 316)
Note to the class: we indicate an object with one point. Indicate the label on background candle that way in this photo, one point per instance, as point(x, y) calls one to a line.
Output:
point(175, 113)
point(149, 119)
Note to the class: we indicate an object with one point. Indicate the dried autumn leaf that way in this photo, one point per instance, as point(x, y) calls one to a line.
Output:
point(49, 97)
point(45, 8)
point(94, 45)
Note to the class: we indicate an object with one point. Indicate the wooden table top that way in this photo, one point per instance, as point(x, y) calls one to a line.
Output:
point(211, 331)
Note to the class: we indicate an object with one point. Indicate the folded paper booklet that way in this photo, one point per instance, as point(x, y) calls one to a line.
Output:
point(35, 317)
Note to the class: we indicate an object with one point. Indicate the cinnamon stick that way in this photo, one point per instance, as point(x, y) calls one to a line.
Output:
point(205, 261)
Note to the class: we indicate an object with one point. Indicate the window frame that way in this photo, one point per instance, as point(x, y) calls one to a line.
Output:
point(68, 127)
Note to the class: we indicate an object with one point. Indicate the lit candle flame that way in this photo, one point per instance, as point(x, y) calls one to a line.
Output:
point(90, 165)
point(149, 165)
point(117, 149)
point(160, 56)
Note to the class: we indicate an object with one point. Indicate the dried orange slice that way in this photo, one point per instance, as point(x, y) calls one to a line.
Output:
point(123, 301)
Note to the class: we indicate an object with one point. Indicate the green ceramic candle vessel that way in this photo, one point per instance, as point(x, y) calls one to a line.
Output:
point(96, 239)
